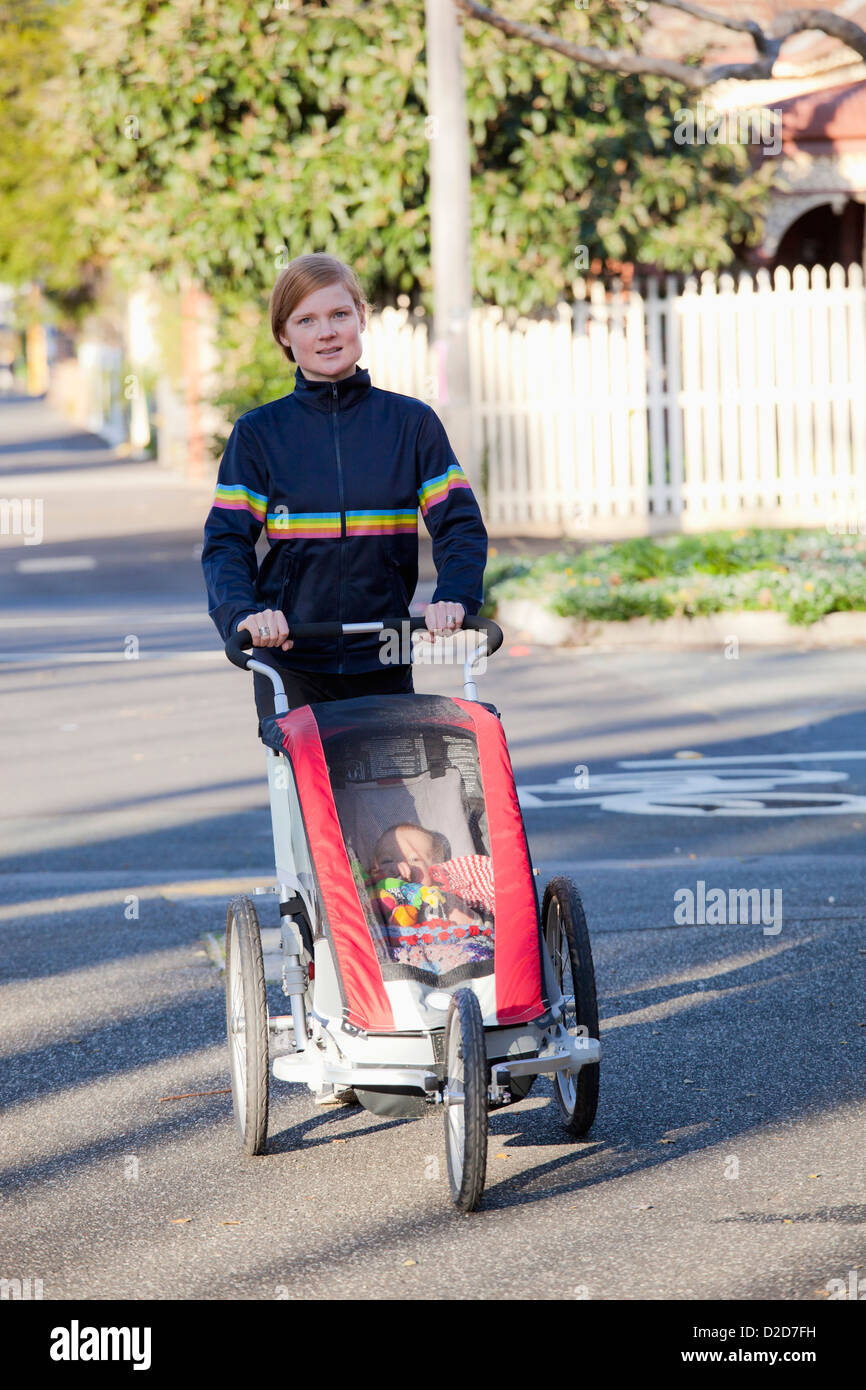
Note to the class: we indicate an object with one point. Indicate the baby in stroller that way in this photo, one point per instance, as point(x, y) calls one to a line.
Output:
point(437, 911)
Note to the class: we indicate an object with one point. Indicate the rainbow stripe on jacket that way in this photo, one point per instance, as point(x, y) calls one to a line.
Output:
point(327, 525)
point(437, 489)
point(305, 525)
point(237, 498)
point(382, 523)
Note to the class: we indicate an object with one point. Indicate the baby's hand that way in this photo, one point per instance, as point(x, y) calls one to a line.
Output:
point(460, 917)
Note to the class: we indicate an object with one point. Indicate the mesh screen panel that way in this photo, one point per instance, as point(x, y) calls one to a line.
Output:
point(407, 787)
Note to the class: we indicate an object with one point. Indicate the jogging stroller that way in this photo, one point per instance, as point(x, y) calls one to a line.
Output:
point(436, 982)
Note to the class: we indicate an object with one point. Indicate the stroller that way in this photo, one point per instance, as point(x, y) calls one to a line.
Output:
point(405, 992)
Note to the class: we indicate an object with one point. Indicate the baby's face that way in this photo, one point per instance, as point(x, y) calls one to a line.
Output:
point(409, 856)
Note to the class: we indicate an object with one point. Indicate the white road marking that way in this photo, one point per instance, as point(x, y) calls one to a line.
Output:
point(55, 564)
point(116, 619)
point(53, 658)
point(736, 760)
point(696, 792)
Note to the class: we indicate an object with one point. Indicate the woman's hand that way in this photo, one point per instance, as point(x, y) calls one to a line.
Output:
point(269, 629)
point(441, 617)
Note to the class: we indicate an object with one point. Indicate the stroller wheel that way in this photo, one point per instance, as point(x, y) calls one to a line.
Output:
point(567, 938)
point(247, 1024)
point(466, 1083)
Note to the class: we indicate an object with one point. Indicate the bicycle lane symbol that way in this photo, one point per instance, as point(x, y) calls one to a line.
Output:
point(732, 790)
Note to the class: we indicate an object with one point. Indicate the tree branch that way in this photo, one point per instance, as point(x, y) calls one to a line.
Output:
point(748, 26)
point(767, 42)
point(609, 60)
point(796, 21)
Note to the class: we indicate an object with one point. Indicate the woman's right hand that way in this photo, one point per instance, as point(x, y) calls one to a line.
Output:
point(276, 629)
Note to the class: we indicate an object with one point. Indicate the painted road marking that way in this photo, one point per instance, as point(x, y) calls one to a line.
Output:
point(736, 760)
point(696, 791)
point(127, 618)
point(55, 564)
point(49, 658)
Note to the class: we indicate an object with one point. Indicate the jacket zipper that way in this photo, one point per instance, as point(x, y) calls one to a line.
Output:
point(335, 399)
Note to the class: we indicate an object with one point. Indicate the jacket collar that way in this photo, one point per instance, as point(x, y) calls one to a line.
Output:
point(320, 396)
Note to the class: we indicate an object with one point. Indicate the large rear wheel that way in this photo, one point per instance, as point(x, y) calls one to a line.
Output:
point(465, 1097)
point(567, 938)
point(247, 1024)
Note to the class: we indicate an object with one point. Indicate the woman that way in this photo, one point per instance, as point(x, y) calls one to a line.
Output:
point(335, 472)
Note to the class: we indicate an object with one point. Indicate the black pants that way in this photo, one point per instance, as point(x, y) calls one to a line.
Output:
point(306, 687)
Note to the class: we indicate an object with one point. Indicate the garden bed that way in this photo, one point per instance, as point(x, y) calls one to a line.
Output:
point(760, 584)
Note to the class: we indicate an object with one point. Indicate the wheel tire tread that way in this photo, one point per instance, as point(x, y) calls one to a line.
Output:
point(573, 917)
point(467, 1193)
point(242, 917)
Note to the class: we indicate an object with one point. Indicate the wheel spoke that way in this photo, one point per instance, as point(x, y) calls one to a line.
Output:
point(557, 944)
point(456, 1124)
point(564, 963)
point(466, 1099)
point(564, 925)
point(238, 1039)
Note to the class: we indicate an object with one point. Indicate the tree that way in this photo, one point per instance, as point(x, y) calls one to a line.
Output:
point(693, 76)
point(39, 180)
point(216, 139)
point(220, 138)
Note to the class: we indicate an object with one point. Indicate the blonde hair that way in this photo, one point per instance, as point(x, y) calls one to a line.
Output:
point(302, 276)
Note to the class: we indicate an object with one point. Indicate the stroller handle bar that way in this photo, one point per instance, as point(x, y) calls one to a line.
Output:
point(239, 643)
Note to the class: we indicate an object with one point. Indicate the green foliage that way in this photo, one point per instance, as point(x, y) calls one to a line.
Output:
point(804, 574)
point(584, 158)
point(252, 368)
point(219, 138)
point(40, 181)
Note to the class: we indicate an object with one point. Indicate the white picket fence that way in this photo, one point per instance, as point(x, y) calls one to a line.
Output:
point(675, 405)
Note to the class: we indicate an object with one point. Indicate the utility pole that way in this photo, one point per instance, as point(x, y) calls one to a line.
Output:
point(450, 231)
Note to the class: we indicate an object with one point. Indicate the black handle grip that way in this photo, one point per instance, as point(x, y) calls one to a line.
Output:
point(239, 643)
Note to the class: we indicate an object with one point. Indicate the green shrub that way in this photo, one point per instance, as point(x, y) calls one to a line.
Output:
point(801, 573)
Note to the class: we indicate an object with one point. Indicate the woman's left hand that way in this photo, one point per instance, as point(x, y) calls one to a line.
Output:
point(441, 617)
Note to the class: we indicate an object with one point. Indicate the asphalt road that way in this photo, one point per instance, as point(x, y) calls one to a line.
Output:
point(727, 1157)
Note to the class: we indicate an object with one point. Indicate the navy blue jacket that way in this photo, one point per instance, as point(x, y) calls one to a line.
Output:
point(336, 472)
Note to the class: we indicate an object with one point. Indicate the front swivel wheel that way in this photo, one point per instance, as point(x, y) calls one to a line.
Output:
point(247, 1024)
point(465, 1098)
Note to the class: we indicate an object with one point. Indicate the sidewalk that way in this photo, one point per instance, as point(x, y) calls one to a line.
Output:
point(88, 489)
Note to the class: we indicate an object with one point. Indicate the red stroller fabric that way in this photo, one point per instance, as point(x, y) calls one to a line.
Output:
point(518, 957)
point(307, 734)
point(366, 999)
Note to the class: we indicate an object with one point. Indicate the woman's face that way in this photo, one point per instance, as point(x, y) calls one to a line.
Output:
point(324, 333)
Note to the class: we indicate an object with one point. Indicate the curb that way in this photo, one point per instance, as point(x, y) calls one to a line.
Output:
point(532, 622)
